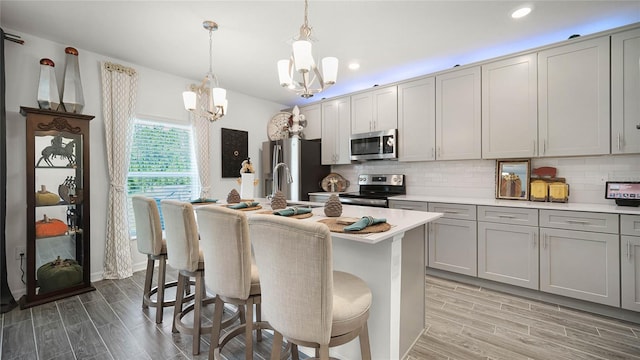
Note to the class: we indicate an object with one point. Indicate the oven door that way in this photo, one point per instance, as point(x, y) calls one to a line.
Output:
point(350, 199)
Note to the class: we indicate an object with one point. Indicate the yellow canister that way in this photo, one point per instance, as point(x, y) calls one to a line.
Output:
point(558, 192)
point(539, 190)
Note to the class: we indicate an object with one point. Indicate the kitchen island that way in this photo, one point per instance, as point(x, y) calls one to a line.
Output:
point(392, 264)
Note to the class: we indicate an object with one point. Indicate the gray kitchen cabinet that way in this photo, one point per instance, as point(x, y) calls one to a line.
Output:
point(630, 261)
point(453, 239)
point(417, 120)
point(508, 245)
point(374, 110)
point(580, 264)
point(313, 115)
point(510, 108)
point(458, 115)
point(573, 98)
point(336, 122)
point(625, 92)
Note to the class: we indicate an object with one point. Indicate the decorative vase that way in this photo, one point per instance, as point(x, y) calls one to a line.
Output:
point(333, 207)
point(246, 186)
point(48, 96)
point(72, 97)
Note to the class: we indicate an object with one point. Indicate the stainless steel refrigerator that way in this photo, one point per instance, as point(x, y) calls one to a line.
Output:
point(303, 159)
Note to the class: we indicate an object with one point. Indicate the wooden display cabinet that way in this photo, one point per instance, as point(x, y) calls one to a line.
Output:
point(57, 150)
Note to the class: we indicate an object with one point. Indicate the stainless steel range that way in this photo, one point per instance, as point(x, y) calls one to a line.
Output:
point(375, 190)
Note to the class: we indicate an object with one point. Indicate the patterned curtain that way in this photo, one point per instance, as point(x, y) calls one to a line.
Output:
point(119, 86)
point(201, 128)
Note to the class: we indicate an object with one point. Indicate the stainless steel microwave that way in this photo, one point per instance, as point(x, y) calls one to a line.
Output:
point(376, 145)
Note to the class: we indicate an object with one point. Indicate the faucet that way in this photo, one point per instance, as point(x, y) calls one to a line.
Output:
point(275, 177)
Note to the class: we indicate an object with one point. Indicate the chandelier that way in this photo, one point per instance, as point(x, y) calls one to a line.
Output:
point(302, 61)
point(215, 105)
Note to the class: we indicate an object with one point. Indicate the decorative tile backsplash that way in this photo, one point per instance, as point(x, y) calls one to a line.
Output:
point(476, 178)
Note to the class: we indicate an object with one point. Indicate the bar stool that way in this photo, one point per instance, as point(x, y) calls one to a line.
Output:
point(230, 273)
point(184, 255)
point(151, 243)
point(304, 300)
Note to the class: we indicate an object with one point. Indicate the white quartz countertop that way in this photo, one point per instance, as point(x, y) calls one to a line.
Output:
point(399, 219)
point(603, 208)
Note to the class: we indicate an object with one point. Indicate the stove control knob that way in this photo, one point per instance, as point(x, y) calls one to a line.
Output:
point(362, 179)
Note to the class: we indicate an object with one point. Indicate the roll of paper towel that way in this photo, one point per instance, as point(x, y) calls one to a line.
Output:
point(246, 187)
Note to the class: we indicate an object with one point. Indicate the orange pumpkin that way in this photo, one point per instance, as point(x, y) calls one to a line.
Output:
point(50, 227)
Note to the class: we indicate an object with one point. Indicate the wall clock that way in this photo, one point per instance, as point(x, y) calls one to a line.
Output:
point(278, 126)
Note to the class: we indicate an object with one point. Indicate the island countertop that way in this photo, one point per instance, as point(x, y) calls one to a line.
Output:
point(400, 220)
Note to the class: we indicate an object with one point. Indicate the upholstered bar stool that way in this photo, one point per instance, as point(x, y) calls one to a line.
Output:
point(181, 232)
point(303, 299)
point(151, 243)
point(230, 273)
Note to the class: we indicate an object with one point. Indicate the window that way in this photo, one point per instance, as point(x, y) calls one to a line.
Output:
point(163, 164)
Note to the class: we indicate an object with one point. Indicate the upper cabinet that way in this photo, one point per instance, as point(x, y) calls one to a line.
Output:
point(375, 110)
point(458, 125)
point(336, 119)
point(417, 120)
point(510, 108)
point(313, 115)
point(625, 92)
point(573, 99)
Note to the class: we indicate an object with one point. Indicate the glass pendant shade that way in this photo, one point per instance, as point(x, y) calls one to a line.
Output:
point(330, 70)
point(189, 98)
point(302, 56)
point(283, 73)
point(218, 96)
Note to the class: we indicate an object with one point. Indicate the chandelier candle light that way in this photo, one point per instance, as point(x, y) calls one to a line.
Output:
point(302, 60)
point(216, 105)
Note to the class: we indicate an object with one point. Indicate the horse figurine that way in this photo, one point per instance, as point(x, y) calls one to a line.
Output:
point(58, 148)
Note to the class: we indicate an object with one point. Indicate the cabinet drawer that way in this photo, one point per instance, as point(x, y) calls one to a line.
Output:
point(454, 211)
point(630, 225)
point(577, 220)
point(508, 215)
point(408, 205)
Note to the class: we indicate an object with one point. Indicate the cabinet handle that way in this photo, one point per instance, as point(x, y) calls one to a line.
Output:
point(544, 244)
point(629, 250)
point(581, 222)
point(534, 147)
point(439, 152)
point(535, 235)
point(450, 212)
point(544, 146)
point(433, 153)
point(619, 147)
point(506, 216)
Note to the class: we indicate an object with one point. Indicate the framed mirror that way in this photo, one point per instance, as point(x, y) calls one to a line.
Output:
point(512, 179)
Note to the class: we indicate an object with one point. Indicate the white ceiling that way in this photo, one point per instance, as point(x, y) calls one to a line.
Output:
point(393, 40)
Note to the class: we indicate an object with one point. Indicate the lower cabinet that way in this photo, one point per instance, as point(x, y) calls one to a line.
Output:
point(417, 206)
point(580, 264)
point(507, 252)
point(630, 261)
point(452, 240)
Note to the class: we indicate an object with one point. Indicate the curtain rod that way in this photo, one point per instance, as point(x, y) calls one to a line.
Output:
point(14, 38)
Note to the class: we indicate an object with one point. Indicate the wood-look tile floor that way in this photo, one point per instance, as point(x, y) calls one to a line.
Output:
point(463, 322)
point(467, 322)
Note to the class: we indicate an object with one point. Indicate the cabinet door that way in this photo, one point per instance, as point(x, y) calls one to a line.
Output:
point(385, 108)
point(510, 108)
point(417, 120)
point(453, 246)
point(625, 92)
point(362, 113)
point(313, 115)
point(508, 254)
point(336, 116)
point(630, 267)
point(458, 126)
point(582, 265)
point(573, 98)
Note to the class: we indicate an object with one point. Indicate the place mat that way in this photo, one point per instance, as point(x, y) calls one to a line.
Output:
point(339, 228)
point(299, 216)
point(258, 207)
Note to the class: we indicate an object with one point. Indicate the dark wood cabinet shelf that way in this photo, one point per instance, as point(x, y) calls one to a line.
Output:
point(61, 141)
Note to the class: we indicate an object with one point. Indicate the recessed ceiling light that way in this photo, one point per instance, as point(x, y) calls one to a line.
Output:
point(354, 66)
point(521, 12)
